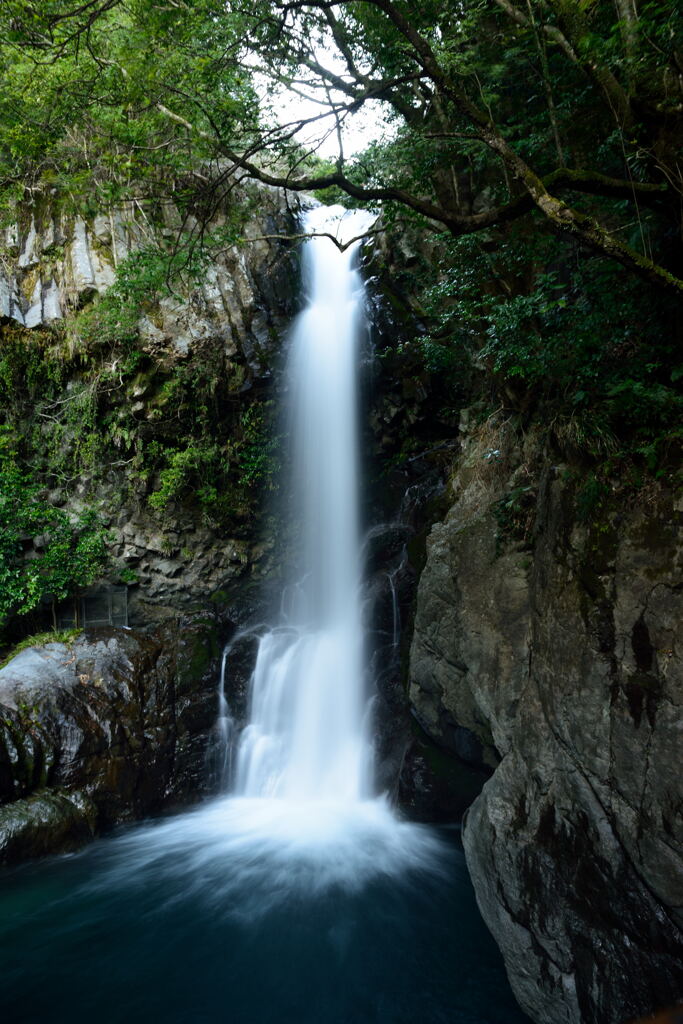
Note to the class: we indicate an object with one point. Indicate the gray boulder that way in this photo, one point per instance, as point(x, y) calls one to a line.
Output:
point(115, 726)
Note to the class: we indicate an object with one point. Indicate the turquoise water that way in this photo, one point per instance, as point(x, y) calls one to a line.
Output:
point(110, 936)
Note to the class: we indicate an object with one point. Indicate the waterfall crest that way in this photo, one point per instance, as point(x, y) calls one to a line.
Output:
point(306, 738)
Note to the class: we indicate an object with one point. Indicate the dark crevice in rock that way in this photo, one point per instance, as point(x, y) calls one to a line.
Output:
point(643, 650)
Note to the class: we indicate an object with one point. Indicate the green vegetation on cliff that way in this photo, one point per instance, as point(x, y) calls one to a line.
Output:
point(71, 549)
point(87, 395)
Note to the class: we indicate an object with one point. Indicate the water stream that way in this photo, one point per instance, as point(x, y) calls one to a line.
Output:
point(297, 896)
point(306, 740)
point(303, 780)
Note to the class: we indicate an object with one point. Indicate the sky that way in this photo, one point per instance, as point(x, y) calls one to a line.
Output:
point(358, 131)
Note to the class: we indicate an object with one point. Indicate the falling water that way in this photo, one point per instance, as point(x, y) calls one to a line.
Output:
point(306, 738)
point(300, 812)
point(298, 799)
point(221, 761)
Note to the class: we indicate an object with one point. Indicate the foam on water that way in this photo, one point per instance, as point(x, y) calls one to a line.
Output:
point(245, 856)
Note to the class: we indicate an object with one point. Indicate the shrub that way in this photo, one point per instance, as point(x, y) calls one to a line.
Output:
point(73, 550)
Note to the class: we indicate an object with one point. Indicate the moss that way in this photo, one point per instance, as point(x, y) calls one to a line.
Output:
point(64, 636)
point(197, 661)
point(29, 282)
point(23, 742)
point(236, 377)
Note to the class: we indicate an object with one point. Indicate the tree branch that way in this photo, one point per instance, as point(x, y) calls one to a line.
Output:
point(562, 217)
point(551, 31)
point(576, 29)
point(305, 236)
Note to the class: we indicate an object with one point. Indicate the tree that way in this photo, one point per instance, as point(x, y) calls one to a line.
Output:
point(174, 79)
point(167, 90)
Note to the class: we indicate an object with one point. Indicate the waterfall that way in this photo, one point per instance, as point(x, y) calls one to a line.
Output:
point(306, 738)
point(220, 756)
point(299, 814)
point(298, 894)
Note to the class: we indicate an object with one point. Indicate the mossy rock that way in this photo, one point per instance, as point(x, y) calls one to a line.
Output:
point(198, 656)
point(43, 823)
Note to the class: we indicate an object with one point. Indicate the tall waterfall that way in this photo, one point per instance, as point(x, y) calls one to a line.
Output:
point(306, 738)
point(300, 814)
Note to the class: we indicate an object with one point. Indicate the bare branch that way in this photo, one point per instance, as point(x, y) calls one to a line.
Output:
point(551, 31)
point(304, 237)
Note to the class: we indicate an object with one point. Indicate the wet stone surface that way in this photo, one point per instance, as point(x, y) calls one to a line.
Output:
point(110, 728)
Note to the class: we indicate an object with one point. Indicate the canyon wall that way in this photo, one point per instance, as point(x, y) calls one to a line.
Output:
point(547, 644)
point(198, 360)
point(111, 725)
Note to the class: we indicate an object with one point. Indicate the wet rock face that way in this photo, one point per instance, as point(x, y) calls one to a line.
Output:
point(179, 568)
point(229, 321)
point(556, 647)
point(114, 727)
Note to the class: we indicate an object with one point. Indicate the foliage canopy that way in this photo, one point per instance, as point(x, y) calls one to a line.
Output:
point(569, 110)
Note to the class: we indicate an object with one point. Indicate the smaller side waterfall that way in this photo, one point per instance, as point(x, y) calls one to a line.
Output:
point(221, 751)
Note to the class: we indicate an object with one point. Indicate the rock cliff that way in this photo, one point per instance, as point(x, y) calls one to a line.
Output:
point(55, 260)
point(116, 412)
point(546, 644)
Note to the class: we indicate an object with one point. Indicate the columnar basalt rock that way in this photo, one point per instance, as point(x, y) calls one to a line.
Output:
point(555, 644)
point(55, 260)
